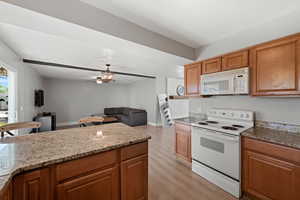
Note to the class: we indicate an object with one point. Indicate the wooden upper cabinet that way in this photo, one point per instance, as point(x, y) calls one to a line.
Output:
point(34, 185)
point(192, 74)
point(276, 67)
point(235, 60)
point(211, 66)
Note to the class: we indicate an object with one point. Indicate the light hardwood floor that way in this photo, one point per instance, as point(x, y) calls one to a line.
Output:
point(171, 178)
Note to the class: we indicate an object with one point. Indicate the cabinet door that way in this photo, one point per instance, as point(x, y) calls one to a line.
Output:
point(211, 66)
point(235, 60)
point(101, 185)
point(269, 178)
point(34, 185)
point(276, 68)
point(7, 193)
point(183, 141)
point(134, 179)
point(192, 74)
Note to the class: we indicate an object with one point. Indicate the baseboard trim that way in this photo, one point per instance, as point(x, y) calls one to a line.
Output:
point(61, 124)
point(153, 124)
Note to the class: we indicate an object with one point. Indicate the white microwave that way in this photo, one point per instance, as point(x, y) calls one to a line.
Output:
point(225, 83)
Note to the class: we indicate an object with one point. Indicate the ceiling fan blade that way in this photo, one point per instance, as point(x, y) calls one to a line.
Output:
point(36, 62)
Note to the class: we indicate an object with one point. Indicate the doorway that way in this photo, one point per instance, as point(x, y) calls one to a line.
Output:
point(8, 85)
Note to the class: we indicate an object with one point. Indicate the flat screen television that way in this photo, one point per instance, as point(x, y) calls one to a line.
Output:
point(39, 98)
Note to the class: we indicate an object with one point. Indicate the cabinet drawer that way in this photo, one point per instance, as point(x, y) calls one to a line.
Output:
point(278, 151)
point(182, 127)
point(103, 184)
point(134, 151)
point(84, 165)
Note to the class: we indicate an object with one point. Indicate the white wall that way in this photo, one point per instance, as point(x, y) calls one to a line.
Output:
point(74, 99)
point(62, 96)
point(286, 110)
point(27, 81)
point(143, 95)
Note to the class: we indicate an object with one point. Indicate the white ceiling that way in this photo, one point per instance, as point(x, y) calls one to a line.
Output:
point(39, 37)
point(198, 22)
point(194, 22)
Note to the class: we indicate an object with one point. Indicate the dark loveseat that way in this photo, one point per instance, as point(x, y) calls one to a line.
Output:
point(129, 116)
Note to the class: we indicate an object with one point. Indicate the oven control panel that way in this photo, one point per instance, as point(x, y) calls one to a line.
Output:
point(232, 114)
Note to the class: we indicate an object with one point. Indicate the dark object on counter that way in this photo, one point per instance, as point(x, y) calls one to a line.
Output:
point(129, 116)
point(39, 98)
point(48, 121)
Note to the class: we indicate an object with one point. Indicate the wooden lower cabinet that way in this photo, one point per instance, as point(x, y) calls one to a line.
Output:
point(101, 185)
point(183, 141)
point(33, 185)
point(134, 177)
point(267, 177)
point(7, 193)
point(113, 175)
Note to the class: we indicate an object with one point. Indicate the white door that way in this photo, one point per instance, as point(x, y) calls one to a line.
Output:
point(12, 108)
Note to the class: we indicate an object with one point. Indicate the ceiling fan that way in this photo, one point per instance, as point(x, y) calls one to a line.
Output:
point(106, 76)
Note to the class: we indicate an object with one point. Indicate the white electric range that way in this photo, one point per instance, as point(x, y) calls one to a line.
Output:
point(216, 147)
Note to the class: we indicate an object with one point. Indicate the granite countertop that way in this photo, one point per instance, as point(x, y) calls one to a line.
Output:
point(28, 152)
point(285, 138)
point(188, 120)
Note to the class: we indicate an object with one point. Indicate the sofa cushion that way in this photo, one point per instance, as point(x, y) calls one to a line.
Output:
point(113, 111)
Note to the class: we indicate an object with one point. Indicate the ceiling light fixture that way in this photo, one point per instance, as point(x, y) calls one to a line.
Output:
point(99, 80)
point(3, 71)
point(106, 76)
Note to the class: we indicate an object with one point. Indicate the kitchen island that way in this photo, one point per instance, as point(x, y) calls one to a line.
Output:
point(98, 162)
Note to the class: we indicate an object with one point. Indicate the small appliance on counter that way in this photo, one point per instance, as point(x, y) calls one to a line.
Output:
point(48, 120)
point(216, 147)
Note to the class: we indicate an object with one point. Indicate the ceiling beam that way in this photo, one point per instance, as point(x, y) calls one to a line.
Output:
point(37, 62)
point(83, 14)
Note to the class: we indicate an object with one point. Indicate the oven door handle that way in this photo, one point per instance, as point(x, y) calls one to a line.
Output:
point(222, 136)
